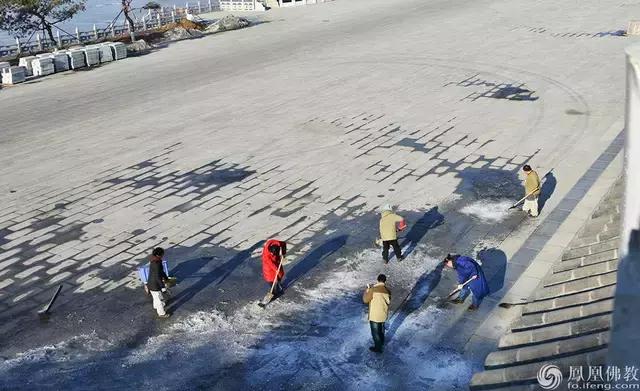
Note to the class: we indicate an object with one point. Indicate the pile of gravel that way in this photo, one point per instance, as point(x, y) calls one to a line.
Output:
point(138, 47)
point(178, 33)
point(229, 22)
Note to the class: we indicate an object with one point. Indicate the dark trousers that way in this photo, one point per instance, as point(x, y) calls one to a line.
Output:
point(396, 249)
point(377, 332)
point(277, 288)
point(466, 291)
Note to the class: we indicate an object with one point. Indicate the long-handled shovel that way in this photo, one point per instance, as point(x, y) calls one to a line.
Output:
point(533, 191)
point(269, 296)
point(44, 313)
point(523, 198)
point(509, 305)
point(444, 301)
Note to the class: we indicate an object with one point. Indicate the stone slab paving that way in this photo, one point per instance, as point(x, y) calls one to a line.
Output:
point(300, 127)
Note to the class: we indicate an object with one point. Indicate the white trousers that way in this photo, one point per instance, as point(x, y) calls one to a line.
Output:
point(531, 206)
point(158, 302)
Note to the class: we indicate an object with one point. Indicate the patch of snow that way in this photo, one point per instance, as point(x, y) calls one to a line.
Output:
point(78, 347)
point(315, 337)
point(488, 211)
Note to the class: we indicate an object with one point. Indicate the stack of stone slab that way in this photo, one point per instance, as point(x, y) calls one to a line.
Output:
point(43, 65)
point(13, 75)
point(91, 55)
point(60, 61)
point(106, 55)
point(26, 63)
point(119, 50)
point(76, 58)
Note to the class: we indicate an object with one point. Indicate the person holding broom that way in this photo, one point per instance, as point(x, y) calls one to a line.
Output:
point(531, 190)
point(273, 254)
point(471, 279)
point(390, 224)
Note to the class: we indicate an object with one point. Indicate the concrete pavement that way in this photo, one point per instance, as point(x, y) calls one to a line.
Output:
point(300, 127)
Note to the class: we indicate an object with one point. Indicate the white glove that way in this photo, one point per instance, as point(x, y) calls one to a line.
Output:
point(164, 290)
point(460, 286)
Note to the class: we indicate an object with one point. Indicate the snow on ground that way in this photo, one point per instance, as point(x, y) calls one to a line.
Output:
point(315, 337)
point(488, 211)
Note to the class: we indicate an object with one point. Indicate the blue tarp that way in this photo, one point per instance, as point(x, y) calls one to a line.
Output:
point(143, 271)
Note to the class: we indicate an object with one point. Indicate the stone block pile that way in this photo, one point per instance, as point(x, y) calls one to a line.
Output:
point(42, 66)
point(13, 75)
point(76, 58)
point(106, 55)
point(26, 63)
point(91, 55)
point(60, 61)
point(119, 50)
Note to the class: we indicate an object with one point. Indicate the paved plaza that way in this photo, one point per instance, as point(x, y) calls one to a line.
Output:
point(299, 127)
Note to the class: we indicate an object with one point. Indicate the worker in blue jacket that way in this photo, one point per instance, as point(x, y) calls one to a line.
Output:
point(471, 279)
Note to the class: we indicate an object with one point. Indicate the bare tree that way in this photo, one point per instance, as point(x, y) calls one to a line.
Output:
point(22, 17)
point(126, 8)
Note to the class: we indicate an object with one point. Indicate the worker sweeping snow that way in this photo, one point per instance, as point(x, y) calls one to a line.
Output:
point(273, 254)
point(156, 282)
point(471, 279)
point(532, 191)
point(390, 224)
point(378, 297)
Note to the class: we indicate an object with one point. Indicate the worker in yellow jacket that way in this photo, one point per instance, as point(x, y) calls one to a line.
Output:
point(531, 190)
point(378, 297)
point(390, 223)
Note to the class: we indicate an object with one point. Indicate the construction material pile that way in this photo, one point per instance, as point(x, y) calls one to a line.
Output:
point(138, 47)
point(229, 22)
point(59, 61)
point(43, 65)
point(13, 75)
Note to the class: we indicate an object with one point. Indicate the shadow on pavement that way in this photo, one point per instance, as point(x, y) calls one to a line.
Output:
point(430, 220)
point(313, 258)
point(494, 265)
point(418, 295)
point(547, 189)
point(216, 276)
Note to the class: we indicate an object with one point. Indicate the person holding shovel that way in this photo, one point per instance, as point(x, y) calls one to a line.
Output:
point(531, 190)
point(471, 279)
point(378, 298)
point(273, 254)
point(390, 224)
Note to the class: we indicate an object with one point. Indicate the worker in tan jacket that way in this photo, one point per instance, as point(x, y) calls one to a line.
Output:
point(531, 190)
point(378, 297)
point(390, 223)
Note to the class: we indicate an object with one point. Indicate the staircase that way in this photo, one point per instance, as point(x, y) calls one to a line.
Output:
point(566, 323)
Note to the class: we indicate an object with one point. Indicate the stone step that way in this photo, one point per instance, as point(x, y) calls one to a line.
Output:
point(591, 259)
point(581, 251)
point(603, 223)
point(580, 273)
point(557, 332)
point(570, 300)
point(578, 286)
point(589, 240)
point(546, 351)
point(543, 319)
point(527, 373)
point(611, 207)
